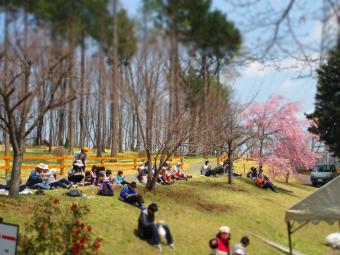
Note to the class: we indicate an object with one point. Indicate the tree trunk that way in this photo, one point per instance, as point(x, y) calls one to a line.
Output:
point(5, 71)
point(205, 95)
point(16, 173)
point(100, 142)
point(114, 87)
point(51, 135)
point(230, 158)
point(81, 96)
point(121, 117)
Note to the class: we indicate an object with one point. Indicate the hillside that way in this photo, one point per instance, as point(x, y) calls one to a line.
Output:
point(194, 210)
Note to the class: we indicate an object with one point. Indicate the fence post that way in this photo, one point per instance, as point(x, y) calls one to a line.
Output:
point(62, 167)
point(102, 162)
point(7, 164)
point(134, 163)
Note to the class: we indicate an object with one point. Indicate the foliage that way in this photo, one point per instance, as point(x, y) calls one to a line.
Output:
point(326, 116)
point(280, 138)
point(55, 229)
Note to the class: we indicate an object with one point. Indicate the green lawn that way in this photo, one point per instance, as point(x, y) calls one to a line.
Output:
point(194, 210)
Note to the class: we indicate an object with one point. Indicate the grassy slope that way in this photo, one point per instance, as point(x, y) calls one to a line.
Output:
point(194, 210)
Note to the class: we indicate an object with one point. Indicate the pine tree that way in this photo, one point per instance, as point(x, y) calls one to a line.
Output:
point(326, 116)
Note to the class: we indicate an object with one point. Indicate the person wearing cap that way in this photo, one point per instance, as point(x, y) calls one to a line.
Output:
point(36, 176)
point(82, 156)
point(240, 248)
point(130, 195)
point(148, 228)
point(220, 244)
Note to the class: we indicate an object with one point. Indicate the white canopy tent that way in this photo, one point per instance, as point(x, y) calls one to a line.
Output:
point(322, 205)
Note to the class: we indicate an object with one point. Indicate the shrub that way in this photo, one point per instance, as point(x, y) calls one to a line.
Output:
point(56, 229)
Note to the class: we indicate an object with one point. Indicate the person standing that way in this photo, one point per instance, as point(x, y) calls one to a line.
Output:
point(82, 155)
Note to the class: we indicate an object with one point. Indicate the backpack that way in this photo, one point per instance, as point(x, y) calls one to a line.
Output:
point(74, 193)
point(105, 189)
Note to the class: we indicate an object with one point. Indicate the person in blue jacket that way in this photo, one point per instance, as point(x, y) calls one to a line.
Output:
point(130, 195)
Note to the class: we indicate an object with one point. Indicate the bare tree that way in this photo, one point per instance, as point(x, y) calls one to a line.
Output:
point(28, 74)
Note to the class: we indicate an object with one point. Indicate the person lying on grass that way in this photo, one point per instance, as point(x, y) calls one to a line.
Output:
point(220, 245)
point(130, 195)
point(149, 229)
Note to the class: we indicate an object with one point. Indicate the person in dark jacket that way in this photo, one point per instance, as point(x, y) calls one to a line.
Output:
point(36, 176)
point(148, 228)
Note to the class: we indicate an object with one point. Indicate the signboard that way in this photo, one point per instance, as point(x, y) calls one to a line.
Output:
point(8, 238)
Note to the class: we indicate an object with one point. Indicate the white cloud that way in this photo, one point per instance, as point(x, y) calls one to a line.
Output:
point(286, 85)
point(255, 69)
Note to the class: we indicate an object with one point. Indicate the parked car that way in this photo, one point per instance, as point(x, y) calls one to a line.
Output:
point(322, 174)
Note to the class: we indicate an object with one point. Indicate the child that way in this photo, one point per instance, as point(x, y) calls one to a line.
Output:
point(120, 179)
point(220, 244)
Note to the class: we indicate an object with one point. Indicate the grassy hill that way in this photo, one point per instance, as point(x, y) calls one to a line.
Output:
point(194, 210)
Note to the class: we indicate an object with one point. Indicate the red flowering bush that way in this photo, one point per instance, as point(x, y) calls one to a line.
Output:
point(59, 229)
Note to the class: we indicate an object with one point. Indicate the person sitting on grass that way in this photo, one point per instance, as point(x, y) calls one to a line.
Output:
point(179, 175)
point(119, 180)
point(165, 177)
point(53, 182)
point(76, 175)
point(148, 228)
point(205, 168)
point(141, 175)
point(130, 195)
point(241, 246)
point(35, 176)
point(101, 178)
point(220, 244)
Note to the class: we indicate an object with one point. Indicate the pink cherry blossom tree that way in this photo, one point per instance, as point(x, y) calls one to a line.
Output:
point(280, 137)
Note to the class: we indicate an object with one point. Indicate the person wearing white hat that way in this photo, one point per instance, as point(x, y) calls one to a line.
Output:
point(77, 173)
point(220, 244)
point(35, 177)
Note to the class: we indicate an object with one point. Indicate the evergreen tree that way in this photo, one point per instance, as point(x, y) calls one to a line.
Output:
point(326, 116)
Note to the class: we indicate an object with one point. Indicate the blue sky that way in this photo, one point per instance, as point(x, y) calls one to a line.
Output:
point(261, 81)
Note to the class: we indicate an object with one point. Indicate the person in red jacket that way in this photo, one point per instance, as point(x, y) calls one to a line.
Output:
point(220, 244)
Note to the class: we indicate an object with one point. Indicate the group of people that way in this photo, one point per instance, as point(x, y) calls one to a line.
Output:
point(166, 176)
point(220, 245)
point(222, 168)
point(152, 230)
point(260, 179)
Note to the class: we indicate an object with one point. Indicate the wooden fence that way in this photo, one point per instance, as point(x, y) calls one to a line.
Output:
point(65, 162)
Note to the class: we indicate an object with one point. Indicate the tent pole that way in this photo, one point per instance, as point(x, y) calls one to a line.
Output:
point(289, 228)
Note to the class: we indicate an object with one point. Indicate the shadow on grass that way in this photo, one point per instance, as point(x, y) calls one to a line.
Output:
point(220, 185)
point(186, 196)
